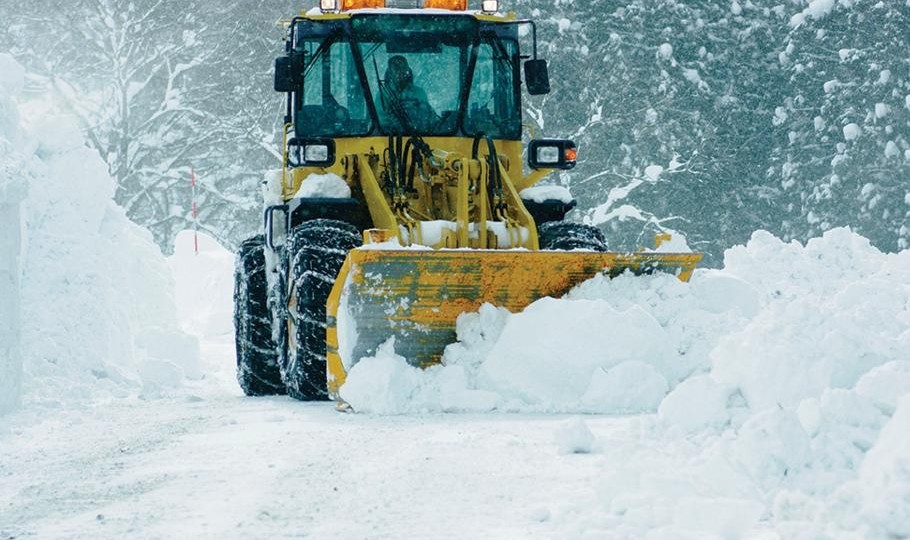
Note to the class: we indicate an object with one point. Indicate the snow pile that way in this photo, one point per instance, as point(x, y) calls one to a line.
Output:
point(881, 493)
point(204, 284)
point(779, 324)
point(113, 323)
point(781, 385)
point(97, 311)
point(833, 311)
point(574, 437)
point(13, 189)
point(613, 346)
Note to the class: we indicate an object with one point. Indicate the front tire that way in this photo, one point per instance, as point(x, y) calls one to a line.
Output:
point(316, 250)
point(257, 366)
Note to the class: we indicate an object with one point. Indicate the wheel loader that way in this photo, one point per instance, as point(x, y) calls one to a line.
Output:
point(404, 199)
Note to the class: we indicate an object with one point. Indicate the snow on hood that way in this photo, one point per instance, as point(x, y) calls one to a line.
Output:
point(543, 193)
point(327, 185)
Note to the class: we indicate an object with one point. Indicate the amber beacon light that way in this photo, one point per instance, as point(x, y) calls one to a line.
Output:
point(334, 6)
point(454, 5)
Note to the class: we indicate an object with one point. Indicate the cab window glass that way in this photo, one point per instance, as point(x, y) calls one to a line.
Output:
point(492, 107)
point(332, 101)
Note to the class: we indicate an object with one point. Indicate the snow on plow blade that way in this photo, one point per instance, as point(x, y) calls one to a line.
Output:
point(416, 295)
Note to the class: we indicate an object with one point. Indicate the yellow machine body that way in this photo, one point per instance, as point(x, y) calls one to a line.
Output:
point(414, 285)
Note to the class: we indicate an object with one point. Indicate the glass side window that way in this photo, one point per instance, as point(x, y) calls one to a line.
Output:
point(492, 108)
point(332, 101)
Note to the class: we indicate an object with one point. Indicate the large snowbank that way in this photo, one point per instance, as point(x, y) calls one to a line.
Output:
point(779, 324)
point(781, 385)
point(204, 284)
point(204, 294)
point(12, 192)
point(98, 317)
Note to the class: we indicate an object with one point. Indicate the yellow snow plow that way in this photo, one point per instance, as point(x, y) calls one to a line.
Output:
point(404, 200)
point(416, 296)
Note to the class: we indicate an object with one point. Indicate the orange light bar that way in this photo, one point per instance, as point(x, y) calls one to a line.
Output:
point(359, 4)
point(571, 154)
point(454, 5)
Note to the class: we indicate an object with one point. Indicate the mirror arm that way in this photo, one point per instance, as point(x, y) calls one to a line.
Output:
point(533, 34)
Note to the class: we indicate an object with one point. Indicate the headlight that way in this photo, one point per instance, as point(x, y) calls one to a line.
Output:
point(311, 152)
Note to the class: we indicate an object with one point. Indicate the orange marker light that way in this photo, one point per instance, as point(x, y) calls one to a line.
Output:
point(571, 154)
point(360, 4)
point(455, 5)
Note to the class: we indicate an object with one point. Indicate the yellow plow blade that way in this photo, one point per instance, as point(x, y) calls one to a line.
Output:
point(416, 295)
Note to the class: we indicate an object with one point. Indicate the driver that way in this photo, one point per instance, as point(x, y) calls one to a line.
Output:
point(413, 100)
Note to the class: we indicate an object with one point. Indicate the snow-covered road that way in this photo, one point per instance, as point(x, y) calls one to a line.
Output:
point(231, 467)
point(788, 421)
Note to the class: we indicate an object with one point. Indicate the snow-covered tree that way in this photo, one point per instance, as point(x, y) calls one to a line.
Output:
point(671, 105)
point(162, 88)
point(709, 118)
point(843, 129)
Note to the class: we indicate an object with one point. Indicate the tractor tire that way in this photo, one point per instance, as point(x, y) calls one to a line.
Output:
point(566, 236)
point(257, 365)
point(315, 252)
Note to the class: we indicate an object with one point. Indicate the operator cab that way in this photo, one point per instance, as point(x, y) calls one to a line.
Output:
point(428, 75)
point(443, 72)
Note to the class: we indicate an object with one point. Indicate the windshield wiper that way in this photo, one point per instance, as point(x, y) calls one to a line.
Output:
point(323, 47)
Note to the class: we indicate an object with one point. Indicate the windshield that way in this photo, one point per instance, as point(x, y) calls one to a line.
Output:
point(415, 69)
point(427, 75)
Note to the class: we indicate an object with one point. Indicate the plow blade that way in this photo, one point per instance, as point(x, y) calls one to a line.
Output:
point(416, 295)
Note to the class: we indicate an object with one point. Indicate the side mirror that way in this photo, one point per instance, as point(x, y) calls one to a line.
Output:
point(287, 72)
point(311, 152)
point(276, 225)
point(284, 79)
point(552, 154)
point(537, 78)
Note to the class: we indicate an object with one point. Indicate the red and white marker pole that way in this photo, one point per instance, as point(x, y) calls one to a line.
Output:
point(195, 213)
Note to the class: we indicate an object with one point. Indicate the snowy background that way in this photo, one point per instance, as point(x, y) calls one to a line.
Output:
point(714, 118)
point(768, 398)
